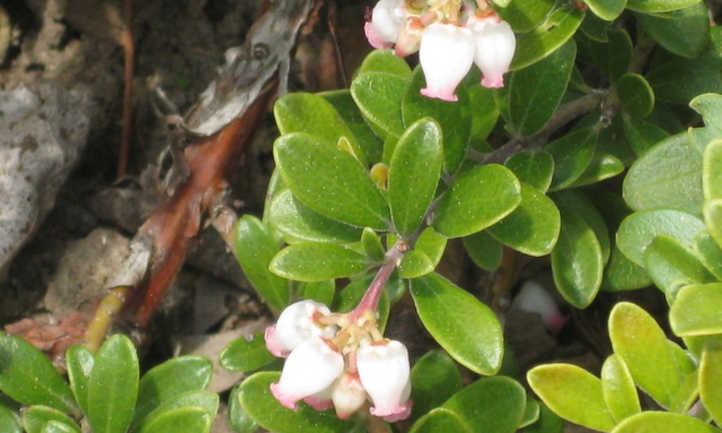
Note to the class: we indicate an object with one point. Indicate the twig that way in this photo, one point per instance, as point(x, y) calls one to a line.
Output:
point(332, 17)
point(129, 53)
point(644, 48)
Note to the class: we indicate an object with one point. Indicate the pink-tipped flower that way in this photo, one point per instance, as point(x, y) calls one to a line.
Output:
point(446, 55)
point(409, 39)
point(534, 298)
point(348, 395)
point(494, 43)
point(384, 372)
point(295, 325)
point(387, 18)
point(321, 400)
point(310, 368)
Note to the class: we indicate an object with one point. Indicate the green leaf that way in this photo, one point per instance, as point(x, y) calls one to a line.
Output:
point(454, 119)
point(330, 181)
point(237, 416)
point(317, 262)
point(37, 417)
point(314, 115)
point(643, 347)
point(612, 140)
point(320, 291)
point(484, 114)
point(531, 412)
point(27, 376)
point(484, 250)
point(434, 379)
point(414, 174)
point(245, 355)
point(525, 15)
point(372, 245)
point(490, 405)
point(607, 9)
point(672, 266)
point(532, 105)
point(545, 39)
point(463, 326)
point(378, 95)
point(678, 79)
point(640, 134)
point(79, 362)
point(572, 155)
point(171, 379)
point(709, 105)
point(623, 274)
point(578, 203)
point(425, 256)
point(370, 144)
point(265, 410)
point(638, 230)
point(9, 422)
point(713, 218)
point(532, 167)
point(533, 228)
point(573, 393)
point(385, 61)
point(478, 199)
point(612, 56)
point(577, 261)
point(712, 171)
point(696, 310)
point(59, 427)
point(548, 422)
point(602, 167)
point(663, 422)
point(255, 248)
point(659, 5)
point(193, 420)
point(710, 382)
point(113, 386)
point(709, 253)
point(439, 420)
point(618, 389)
point(596, 30)
point(684, 32)
point(635, 94)
point(294, 219)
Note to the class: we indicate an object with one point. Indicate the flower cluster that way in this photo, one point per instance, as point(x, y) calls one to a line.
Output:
point(340, 361)
point(449, 35)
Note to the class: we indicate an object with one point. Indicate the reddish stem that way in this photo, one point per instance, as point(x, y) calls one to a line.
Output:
point(370, 301)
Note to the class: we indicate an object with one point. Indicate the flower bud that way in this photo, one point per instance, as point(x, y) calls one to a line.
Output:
point(310, 368)
point(384, 372)
point(348, 395)
point(295, 325)
point(494, 48)
point(386, 20)
point(533, 298)
point(446, 55)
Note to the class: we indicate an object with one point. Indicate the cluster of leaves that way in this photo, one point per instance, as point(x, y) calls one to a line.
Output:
point(105, 391)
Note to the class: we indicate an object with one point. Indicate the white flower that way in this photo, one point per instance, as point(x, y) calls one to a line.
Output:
point(409, 38)
point(348, 395)
point(295, 325)
point(446, 55)
point(533, 298)
point(310, 368)
point(386, 20)
point(384, 372)
point(494, 48)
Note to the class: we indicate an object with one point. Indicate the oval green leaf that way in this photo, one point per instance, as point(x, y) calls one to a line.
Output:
point(479, 198)
point(439, 420)
point(206, 400)
point(434, 378)
point(603, 166)
point(684, 32)
point(317, 262)
point(79, 361)
point(618, 389)
point(59, 427)
point(245, 355)
point(713, 218)
point(319, 291)
point(548, 422)
point(577, 202)
point(572, 155)
point(532, 167)
point(659, 5)
point(663, 422)
point(368, 141)
point(710, 382)
point(193, 420)
point(696, 310)
point(237, 417)
point(623, 274)
point(712, 170)
point(710, 254)
point(606, 9)
point(466, 328)
point(372, 245)
point(672, 266)
point(546, 38)
point(37, 417)
point(330, 181)
point(531, 412)
point(525, 15)
point(385, 61)
point(635, 94)
point(485, 251)
point(378, 96)
point(9, 421)
point(641, 135)
point(709, 105)
point(490, 405)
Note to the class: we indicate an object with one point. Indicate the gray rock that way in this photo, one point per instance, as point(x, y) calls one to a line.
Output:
point(44, 134)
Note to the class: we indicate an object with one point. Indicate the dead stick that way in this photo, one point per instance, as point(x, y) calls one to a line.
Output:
point(129, 53)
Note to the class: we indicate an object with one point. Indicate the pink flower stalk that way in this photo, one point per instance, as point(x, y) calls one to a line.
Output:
point(387, 18)
point(533, 298)
point(384, 372)
point(494, 43)
point(446, 55)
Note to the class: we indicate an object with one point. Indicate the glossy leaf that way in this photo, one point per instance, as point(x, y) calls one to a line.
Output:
point(425, 256)
point(663, 422)
point(709, 105)
point(454, 122)
point(640, 134)
point(255, 248)
point(237, 417)
point(533, 228)
point(378, 96)
point(385, 61)
point(713, 218)
point(525, 15)
point(205, 400)
point(479, 198)
point(463, 326)
point(264, 409)
point(696, 310)
point(59, 427)
point(659, 5)
point(572, 155)
point(193, 419)
point(317, 262)
point(531, 412)
point(595, 29)
point(330, 181)
point(577, 261)
point(709, 253)
point(635, 94)
point(320, 291)
point(37, 417)
point(534, 168)
point(678, 79)
point(602, 167)
point(612, 56)
point(439, 420)
point(245, 355)
point(370, 144)
point(710, 382)
point(573, 393)
point(578, 203)
point(641, 343)
point(372, 245)
point(638, 230)
point(545, 39)
point(434, 378)
point(531, 105)
point(414, 174)
point(606, 9)
point(712, 171)
point(27, 376)
point(623, 274)
point(293, 218)
point(548, 422)
point(490, 405)
point(484, 114)
point(484, 250)
point(672, 266)
point(9, 421)
point(113, 386)
point(618, 389)
point(79, 362)
point(684, 32)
